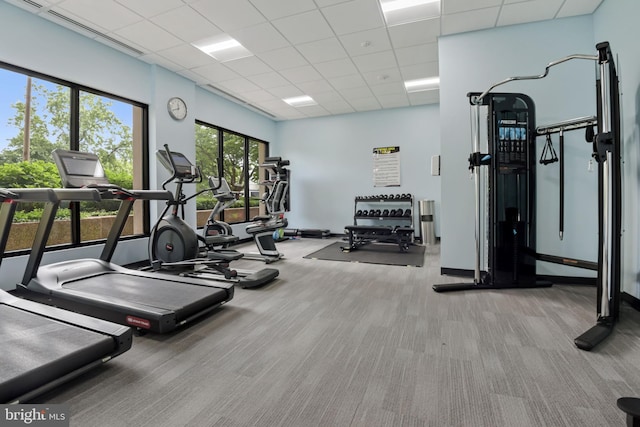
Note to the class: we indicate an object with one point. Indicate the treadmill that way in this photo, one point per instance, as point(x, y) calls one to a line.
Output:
point(42, 346)
point(99, 288)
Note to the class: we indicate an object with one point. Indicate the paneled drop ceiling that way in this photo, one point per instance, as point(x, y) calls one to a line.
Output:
point(341, 53)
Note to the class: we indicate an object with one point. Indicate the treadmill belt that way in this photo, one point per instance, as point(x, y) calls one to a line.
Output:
point(153, 292)
point(37, 350)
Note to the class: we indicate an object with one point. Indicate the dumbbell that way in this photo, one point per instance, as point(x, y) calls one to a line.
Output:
point(364, 213)
point(407, 212)
point(385, 212)
point(392, 212)
point(399, 212)
point(378, 212)
point(359, 212)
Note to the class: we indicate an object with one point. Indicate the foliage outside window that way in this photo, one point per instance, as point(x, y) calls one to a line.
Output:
point(241, 157)
point(40, 114)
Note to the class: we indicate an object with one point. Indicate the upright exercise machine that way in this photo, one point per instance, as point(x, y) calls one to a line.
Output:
point(276, 202)
point(176, 245)
point(505, 213)
point(98, 287)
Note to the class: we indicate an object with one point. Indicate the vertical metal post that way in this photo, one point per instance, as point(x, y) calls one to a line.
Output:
point(475, 123)
point(606, 184)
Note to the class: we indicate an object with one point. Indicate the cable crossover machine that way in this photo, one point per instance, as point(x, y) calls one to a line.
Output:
point(509, 193)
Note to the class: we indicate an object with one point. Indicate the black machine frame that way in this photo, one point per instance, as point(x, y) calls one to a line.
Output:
point(607, 154)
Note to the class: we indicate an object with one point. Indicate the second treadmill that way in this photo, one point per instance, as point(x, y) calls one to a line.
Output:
point(100, 288)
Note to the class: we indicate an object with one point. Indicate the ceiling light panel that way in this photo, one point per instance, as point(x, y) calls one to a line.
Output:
point(223, 48)
point(398, 12)
point(300, 101)
point(420, 85)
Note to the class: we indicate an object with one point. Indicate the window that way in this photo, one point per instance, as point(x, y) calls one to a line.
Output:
point(241, 156)
point(39, 114)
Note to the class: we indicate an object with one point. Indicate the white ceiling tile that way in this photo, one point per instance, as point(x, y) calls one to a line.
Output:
point(469, 21)
point(578, 7)
point(259, 96)
point(420, 71)
point(186, 24)
point(337, 68)
point(241, 85)
point(323, 3)
point(457, 6)
point(531, 11)
point(420, 32)
point(328, 97)
point(417, 54)
point(282, 59)
point(149, 36)
point(382, 77)
point(313, 111)
point(354, 93)
point(285, 91)
point(281, 8)
point(186, 56)
point(304, 27)
point(302, 74)
point(315, 87)
point(269, 80)
point(354, 16)
point(365, 104)
point(149, 8)
point(322, 50)
point(106, 14)
point(344, 82)
point(229, 15)
point(392, 88)
point(248, 66)
point(339, 108)
point(260, 38)
point(215, 72)
point(375, 61)
point(365, 42)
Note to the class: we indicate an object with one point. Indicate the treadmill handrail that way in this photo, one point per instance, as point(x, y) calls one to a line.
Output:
point(77, 194)
point(29, 194)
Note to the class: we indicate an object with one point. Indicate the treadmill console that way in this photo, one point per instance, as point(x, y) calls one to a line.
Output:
point(79, 169)
point(178, 164)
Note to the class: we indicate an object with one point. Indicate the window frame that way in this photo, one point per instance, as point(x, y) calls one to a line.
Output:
point(246, 146)
point(74, 131)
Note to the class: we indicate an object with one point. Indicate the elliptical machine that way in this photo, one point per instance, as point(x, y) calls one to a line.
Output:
point(276, 201)
point(176, 245)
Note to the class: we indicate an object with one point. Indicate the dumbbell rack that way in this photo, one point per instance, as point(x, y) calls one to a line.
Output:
point(388, 204)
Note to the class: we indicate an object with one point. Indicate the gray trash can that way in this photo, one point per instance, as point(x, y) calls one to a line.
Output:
point(427, 226)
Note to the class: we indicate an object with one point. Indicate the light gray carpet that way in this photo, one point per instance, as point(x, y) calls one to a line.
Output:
point(350, 344)
point(387, 254)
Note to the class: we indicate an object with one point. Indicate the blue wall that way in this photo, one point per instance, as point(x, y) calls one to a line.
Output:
point(616, 21)
point(332, 161)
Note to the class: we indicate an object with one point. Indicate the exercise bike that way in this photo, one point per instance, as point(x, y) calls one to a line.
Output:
point(176, 245)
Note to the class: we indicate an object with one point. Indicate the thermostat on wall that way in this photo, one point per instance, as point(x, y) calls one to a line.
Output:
point(435, 165)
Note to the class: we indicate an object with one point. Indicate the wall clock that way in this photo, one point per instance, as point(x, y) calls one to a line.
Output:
point(177, 108)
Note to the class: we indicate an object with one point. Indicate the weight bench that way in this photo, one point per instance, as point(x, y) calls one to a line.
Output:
point(360, 235)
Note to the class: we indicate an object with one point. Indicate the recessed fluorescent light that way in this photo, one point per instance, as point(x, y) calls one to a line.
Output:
point(419, 85)
point(405, 11)
point(300, 101)
point(223, 48)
